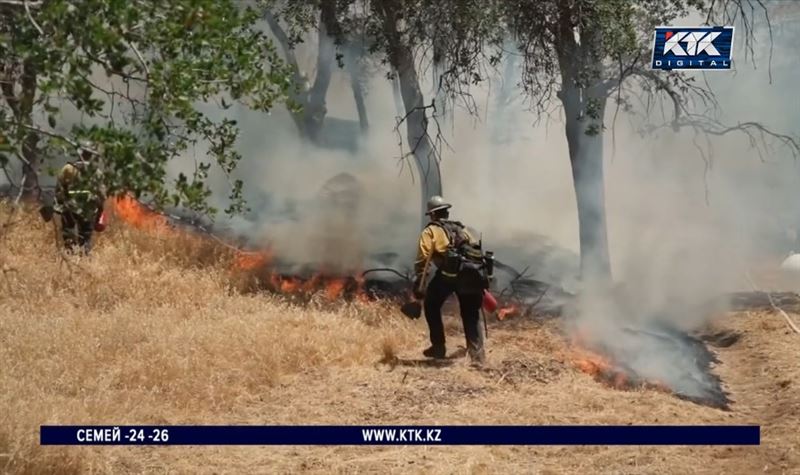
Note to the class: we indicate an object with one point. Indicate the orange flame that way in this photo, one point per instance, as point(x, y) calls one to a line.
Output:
point(249, 261)
point(331, 287)
point(137, 215)
point(257, 263)
point(605, 369)
point(334, 289)
point(361, 296)
point(601, 368)
point(509, 311)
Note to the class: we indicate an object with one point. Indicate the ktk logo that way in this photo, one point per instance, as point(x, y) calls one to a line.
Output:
point(698, 48)
point(696, 42)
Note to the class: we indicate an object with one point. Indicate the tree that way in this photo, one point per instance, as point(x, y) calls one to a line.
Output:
point(135, 76)
point(399, 51)
point(356, 58)
point(403, 32)
point(398, 32)
point(585, 52)
point(344, 44)
point(308, 100)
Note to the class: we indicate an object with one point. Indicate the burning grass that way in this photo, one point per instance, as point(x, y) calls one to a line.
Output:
point(255, 271)
point(150, 327)
point(249, 270)
point(608, 372)
point(152, 330)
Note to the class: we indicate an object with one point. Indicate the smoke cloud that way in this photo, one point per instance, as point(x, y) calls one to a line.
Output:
point(681, 230)
point(677, 226)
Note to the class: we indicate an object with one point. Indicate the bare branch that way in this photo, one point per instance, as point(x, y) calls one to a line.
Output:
point(437, 139)
point(139, 56)
point(54, 135)
point(21, 3)
point(8, 176)
point(30, 17)
point(20, 192)
point(112, 70)
point(283, 39)
point(749, 128)
point(665, 86)
point(771, 42)
point(706, 163)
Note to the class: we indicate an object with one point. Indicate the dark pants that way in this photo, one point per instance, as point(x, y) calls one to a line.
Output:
point(76, 231)
point(470, 306)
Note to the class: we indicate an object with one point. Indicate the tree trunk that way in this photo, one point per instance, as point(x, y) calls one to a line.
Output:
point(22, 109)
point(315, 109)
point(30, 170)
point(417, 130)
point(586, 158)
point(584, 101)
point(397, 95)
point(509, 84)
point(358, 78)
point(300, 97)
point(501, 131)
point(358, 95)
point(310, 119)
point(439, 93)
point(402, 60)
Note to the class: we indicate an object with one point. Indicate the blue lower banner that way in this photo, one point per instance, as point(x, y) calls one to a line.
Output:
point(400, 435)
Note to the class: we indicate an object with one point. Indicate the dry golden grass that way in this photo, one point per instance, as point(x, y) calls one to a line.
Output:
point(151, 330)
point(148, 330)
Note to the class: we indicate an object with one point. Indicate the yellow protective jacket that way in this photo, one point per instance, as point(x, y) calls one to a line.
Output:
point(433, 244)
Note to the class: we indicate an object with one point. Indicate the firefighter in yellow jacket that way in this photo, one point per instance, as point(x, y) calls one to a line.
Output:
point(439, 245)
point(80, 205)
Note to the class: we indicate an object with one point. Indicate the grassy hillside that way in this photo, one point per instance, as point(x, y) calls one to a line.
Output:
point(152, 330)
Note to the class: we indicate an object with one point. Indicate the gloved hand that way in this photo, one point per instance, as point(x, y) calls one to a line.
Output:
point(419, 289)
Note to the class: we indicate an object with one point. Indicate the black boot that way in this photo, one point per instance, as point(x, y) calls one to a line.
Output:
point(437, 352)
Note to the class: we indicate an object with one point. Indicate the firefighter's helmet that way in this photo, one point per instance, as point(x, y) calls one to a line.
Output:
point(437, 203)
point(86, 148)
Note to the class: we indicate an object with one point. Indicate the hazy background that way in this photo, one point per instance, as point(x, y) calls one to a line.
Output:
point(681, 231)
point(674, 225)
point(671, 220)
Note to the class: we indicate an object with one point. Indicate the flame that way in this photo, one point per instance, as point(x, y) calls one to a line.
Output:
point(509, 311)
point(330, 286)
point(334, 289)
point(252, 260)
point(361, 295)
point(129, 210)
point(289, 285)
point(260, 264)
point(602, 368)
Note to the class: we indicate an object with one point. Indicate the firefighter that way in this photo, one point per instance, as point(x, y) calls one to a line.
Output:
point(441, 243)
point(79, 205)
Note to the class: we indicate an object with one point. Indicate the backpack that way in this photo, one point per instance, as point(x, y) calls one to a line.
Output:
point(464, 262)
